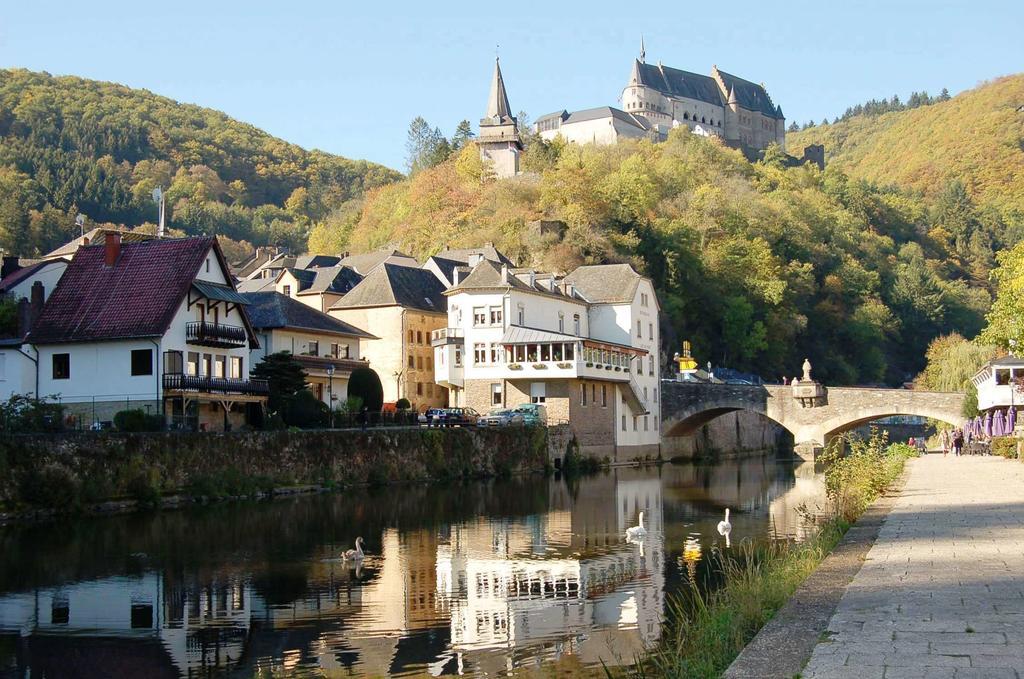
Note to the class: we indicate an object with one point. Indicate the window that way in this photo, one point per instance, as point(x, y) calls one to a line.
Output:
point(61, 366)
point(519, 353)
point(650, 331)
point(545, 352)
point(419, 337)
point(207, 266)
point(479, 353)
point(645, 423)
point(655, 394)
point(593, 393)
point(496, 315)
point(173, 362)
point(538, 392)
point(655, 423)
point(458, 356)
point(570, 352)
point(236, 367)
point(521, 315)
point(430, 389)
point(430, 362)
point(313, 348)
point(639, 332)
point(495, 353)
point(645, 393)
point(479, 316)
point(287, 291)
point(496, 394)
point(419, 363)
point(604, 396)
point(650, 366)
point(412, 337)
point(623, 423)
point(412, 361)
point(583, 395)
point(207, 365)
point(419, 389)
point(142, 362)
point(1002, 375)
point(220, 366)
point(561, 322)
point(576, 324)
point(192, 366)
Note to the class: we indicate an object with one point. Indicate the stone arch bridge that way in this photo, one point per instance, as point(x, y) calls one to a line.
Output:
point(812, 413)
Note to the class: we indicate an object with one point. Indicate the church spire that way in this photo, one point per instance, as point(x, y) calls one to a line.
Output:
point(497, 103)
point(643, 52)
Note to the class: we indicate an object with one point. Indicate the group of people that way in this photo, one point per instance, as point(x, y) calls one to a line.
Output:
point(954, 439)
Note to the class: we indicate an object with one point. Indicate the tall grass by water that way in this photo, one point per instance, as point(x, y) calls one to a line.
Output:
point(707, 628)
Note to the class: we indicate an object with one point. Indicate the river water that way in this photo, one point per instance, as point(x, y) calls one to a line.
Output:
point(473, 579)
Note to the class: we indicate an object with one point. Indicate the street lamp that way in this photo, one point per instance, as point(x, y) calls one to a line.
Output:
point(330, 392)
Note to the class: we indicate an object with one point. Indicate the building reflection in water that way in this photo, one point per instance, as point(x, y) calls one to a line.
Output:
point(476, 596)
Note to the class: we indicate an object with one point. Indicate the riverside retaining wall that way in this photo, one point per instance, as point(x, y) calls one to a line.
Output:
point(733, 433)
point(66, 472)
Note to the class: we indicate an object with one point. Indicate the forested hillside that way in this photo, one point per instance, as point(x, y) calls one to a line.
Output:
point(758, 265)
point(69, 145)
point(975, 139)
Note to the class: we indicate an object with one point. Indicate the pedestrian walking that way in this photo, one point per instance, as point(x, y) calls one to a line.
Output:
point(958, 442)
point(944, 441)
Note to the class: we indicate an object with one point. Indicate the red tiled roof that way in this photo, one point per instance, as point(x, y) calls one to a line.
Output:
point(137, 297)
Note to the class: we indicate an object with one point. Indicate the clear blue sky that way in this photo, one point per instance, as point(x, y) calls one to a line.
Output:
point(347, 77)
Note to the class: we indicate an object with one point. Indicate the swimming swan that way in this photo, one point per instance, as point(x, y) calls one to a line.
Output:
point(354, 554)
point(637, 532)
point(725, 528)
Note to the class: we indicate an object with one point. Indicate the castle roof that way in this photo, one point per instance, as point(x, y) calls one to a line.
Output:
point(677, 83)
point(607, 112)
point(750, 96)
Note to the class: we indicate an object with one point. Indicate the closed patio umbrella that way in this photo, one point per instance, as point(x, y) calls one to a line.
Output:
point(998, 424)
point(987, 427)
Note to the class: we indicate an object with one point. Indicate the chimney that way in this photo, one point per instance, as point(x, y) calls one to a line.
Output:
point(10, 265)
point(455, 276)
point(30, 309)
point(37, 296)
point(112, 248)
point(533, 278)
point(504, 274)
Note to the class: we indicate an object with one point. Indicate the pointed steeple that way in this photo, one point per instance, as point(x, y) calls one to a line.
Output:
point(732, 95)
point(635, 78)
point(497, 104)
point(643, 52)
point(778, 112)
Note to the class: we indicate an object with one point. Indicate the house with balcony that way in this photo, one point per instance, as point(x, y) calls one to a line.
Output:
point(1000, 383)
point(327, 348)
point(402, 305)
point(585, 346)
point(154, 325)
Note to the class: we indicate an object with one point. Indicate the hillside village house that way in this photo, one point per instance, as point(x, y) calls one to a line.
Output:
point(18, 284)
point(318, 288)
point(327, 348)
point(998, 383)
point(155, 324)
point(402, 305)
point(585, 346)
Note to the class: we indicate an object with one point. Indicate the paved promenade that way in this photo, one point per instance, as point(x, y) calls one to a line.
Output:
point(941, 593)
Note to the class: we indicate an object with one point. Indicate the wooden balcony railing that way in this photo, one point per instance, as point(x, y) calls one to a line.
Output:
point(215, 334)
point(215, 385)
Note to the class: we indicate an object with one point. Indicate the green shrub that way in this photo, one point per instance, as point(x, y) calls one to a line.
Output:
point(144, 488)
point(403, 404)
point(50, 485)
point(1005, 446)
point(136, 420)
point(853, 480)
point(21, 414)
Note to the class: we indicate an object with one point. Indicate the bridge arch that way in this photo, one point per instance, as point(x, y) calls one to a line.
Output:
point(844, 423)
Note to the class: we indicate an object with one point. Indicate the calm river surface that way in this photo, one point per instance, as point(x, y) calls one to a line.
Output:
point(470, 579)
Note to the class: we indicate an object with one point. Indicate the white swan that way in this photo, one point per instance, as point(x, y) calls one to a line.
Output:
point(354, 554)
point(637, 532)
point(725, 528)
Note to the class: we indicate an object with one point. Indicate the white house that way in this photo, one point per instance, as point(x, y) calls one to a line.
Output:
point(998, 383)
point(18, 285)
point(155, 324)
point(327, 348)
point(584, 346)
point(602, 125)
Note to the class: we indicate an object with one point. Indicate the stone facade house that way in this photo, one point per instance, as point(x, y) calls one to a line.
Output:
point(402, 305)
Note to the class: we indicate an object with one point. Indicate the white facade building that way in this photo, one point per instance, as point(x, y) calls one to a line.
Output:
point(153, 325)
point(586, 347)
point(998, 383)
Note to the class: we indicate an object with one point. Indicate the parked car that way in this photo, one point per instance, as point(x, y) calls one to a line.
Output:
point(533, 413)
point(460, 417)
point(433, 417)
point(501, 417)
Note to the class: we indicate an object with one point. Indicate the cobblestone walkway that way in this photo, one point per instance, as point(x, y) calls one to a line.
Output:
point(941, 593)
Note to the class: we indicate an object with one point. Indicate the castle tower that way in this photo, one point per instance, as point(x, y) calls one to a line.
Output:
point(780, 129)
point(499, 141)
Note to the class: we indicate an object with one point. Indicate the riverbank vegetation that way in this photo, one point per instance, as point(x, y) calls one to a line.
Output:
point(707, 628)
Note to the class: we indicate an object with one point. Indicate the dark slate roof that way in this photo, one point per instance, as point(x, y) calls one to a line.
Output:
point(305, 277)
point(137, 297)
point(607, 112)
point(487, 275)
point(605, 283)
point(270, 310)
point(563, 114)
point(336, 279)
point(257, 284)
point(393, 284)
point(447, 266)
point(750, 96)
point(677, 83)
point(488, 251)
point(368, 261)
point(315, 261)
point(18, 276)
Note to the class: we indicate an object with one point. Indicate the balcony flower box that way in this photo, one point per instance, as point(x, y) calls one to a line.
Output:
point(540, 366)
point(617, 369)
point(515, 366)
point(590, 365)
point(564, 365)
point(625, 370)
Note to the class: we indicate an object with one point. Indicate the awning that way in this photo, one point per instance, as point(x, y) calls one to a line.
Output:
point(519, 335)
point(611, 346)
point(222, 293)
